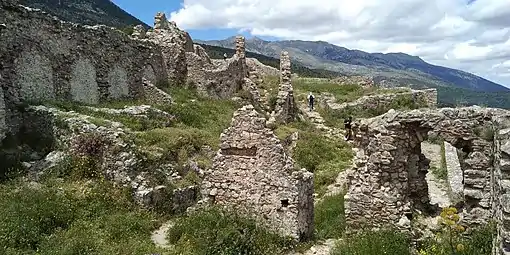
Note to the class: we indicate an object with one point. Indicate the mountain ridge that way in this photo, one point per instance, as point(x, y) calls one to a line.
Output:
point(324, 55)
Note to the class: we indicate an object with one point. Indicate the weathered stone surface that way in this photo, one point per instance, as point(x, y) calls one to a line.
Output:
point(60, 60)
point(118, 81)
point(34, 77)
point(174, 44)
point(388, 184)
point(426, 98)
point(139, 32)
point(3, 125)
point(154, 95)
point(455, 174)
point(285, 109)
point(257, 67)
point(252, 174)
point(217, 78)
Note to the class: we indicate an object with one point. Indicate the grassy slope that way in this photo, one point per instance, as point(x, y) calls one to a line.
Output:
point(90, 216)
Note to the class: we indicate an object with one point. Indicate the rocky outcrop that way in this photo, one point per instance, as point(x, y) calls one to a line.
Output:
point(252, 174)
point(77, 137)
point(285, 109)
point(388, 183)
point(60, 60)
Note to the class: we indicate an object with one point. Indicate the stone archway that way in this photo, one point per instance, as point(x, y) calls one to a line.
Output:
point(389, 184)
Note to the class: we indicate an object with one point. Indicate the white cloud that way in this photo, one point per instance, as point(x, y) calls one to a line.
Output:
point(472, 37)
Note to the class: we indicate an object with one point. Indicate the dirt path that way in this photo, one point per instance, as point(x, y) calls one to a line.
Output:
point(159, 236)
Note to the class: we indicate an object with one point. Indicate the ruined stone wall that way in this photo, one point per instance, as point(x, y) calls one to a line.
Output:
point(501, 185)
point(174, 44)
point(252, 174)
point(220, 80)
point(389, 184)
point(44, 58)
point(285, 109)
point(455, 174)
point(425, 98)
point(257, 67)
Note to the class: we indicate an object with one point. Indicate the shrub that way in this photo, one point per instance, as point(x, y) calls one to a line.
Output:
point(216, 231)
point(330, 217)
point(450, 239)
point(72, 218)
point(389, 242)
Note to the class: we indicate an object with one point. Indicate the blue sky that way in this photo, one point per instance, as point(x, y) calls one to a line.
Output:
point(145, 12)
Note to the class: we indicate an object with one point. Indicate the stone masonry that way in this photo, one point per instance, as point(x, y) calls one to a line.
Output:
point(285, 109)
point(60, 60)
point(174, 45)
point(454, 170)
point(252, 174)
point(388, 182)
point(221, 79)
point(501, 185)
point(425, 98)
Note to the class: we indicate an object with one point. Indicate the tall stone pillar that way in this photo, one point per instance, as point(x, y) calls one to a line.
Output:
point(285, 109)
point(240, 47)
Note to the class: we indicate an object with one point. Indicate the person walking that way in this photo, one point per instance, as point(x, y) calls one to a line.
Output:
point(311, 100)
point(348, 128)
point(225, 56)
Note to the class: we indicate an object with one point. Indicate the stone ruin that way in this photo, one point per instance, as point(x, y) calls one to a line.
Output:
point(388, 183)
point(252, 174)
point(285, 109)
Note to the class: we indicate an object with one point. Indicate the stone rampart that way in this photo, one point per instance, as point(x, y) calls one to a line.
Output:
point(44, 58)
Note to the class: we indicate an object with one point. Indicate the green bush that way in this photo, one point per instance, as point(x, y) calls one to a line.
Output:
point(451, 238)
point(386, 242)
point(72, 218)
point(215, 231)
point(330, 217)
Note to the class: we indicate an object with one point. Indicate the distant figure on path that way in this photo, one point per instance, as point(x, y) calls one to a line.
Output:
point(311, 100)
point(348, 130)
point(225, 56)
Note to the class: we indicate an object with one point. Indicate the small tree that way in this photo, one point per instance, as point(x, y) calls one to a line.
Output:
point(449, 239)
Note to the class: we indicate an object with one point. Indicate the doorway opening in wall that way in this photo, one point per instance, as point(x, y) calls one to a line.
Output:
point(433, 149)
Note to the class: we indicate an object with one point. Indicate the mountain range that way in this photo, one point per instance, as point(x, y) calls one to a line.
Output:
point(313, 58)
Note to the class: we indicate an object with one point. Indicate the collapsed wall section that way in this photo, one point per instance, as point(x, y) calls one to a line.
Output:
point(388, 183)
point(252, 174)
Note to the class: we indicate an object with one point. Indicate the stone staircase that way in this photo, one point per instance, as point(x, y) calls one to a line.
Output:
point(319, 122)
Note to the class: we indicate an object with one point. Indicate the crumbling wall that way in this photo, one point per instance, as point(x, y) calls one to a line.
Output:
point(45, 58)
point(252, 174)
point(424, 98)
point(220, 80)
point(384, 188)
point(501, 185)
point(285, 109)
point(174, 44)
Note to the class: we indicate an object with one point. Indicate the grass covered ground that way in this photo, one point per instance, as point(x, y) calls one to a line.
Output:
point(74, 212)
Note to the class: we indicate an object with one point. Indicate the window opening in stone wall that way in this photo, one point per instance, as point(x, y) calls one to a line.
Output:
point(285, 202)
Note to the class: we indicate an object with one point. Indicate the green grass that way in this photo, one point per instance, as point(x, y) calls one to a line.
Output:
point(386, 242)
point(216, 231)
point(329, 217)
point(72, 218)
point(323, 156)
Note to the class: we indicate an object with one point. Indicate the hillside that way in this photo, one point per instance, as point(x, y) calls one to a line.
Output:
point(394, 69)
point(88, 12)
